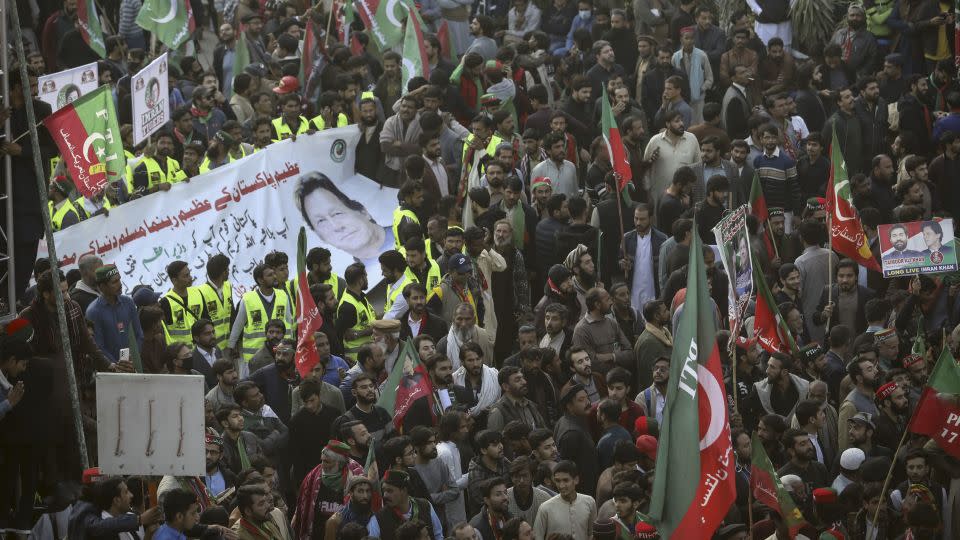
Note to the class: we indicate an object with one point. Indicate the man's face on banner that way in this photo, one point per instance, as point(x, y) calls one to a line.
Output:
point(898, 238)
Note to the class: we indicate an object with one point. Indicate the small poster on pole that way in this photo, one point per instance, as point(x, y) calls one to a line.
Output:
point(151, 99)
point(917, 247)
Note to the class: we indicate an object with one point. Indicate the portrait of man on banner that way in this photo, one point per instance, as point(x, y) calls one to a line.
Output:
point(733, 245)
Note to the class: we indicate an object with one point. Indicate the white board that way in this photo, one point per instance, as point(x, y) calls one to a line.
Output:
point(150, 99)
point(64, 87)
point(150, 424)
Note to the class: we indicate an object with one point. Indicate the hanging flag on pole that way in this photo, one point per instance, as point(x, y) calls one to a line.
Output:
point(768, 325)
point(171, 20)
point(309, 319)
point(384, 20)
point(447, 49)
point(758, 208)
point(938, 412)
point(408, 382)
point(846, 232)
point(88, 137)
point(696, 486)
point(416, 63)
point(767, 489)
point(307, 57)
point(90, 28)
point(615, 148)
point(241, 51)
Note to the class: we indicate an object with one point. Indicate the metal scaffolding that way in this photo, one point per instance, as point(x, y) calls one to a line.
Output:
point(8, 307)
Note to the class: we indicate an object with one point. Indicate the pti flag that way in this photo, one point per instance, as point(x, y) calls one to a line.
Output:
point(88, 137)
point(766, 488)
point(615, 149)
point(758, 207)
point(846, 233)
point(309, 319)
point(171, 20)
point(384, 19)
point(89, 21)
point(938, 413)
point(447, 49)
point(407, 383)
point(768, 325)
point(695, 432)
point(416, 63)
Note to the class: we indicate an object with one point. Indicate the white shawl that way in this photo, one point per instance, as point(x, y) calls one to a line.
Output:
point(489, 389)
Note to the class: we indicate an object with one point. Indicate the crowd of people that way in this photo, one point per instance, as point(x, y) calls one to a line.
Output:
point(541, 299)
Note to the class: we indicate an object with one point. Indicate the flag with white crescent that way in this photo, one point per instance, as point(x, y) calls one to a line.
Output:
point(171, 20)
point(846, 232)
point(384, 20)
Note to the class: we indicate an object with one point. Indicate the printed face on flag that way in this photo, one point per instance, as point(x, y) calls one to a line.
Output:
point(733, 244)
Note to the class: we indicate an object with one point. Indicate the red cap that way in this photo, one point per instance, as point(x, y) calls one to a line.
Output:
point(645, 531)
point(686, 29)
point(825, 496)
point(884, 391)
point(288, 84)
point(91, 475)
point(911, 360)
point(647, 444)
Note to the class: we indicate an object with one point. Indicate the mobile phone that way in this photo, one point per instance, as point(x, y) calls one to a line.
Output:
point(125, 355)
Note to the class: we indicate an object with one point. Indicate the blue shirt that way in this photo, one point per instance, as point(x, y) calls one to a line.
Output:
point(611, 437)
point(166, 532)
point(111, 324)
point(332, 374)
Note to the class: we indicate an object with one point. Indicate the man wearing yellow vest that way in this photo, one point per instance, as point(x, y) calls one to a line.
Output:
point(280, 263)
point(393, 266)
point(291, 123)
point(354, 313)
point(420, 268)
point(410, 197)
point(217, 295)
point(329, 116)
point(227, 146)
point(264, 303)
point(62, 211)
point(157, 172)
point(182, 305)
point(319, 270)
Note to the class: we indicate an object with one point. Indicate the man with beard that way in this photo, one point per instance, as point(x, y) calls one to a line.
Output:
point(227, 377)
point(578, 232)
point(278, 379)
point(321, 492)
point(478, 378)
point(522, 217)
point(513, 404)
point(257, 307)
point(523, 499)
point(369, 153)
point(623, 313)
point(365, 409)
point(777, 171)
point(489, 522)
point(780, 392)
point(464, 330)
point(354, 312)
point(454, 431)
point(254, 504)
point(458, 286)
point(863, 374)
point(803, 461)
point(848, 299)
point(601, 337)
point(787, 246)
point(399, 507)
point(371, 360)
point(640, 258)
point(260, 419)
point(747, 357)
point(218, 478)
point(541, 389)
point(654, 79)
point(356, 436)
point(573, 435)
point(559, 289)
point(418, 320)
point(557, 335)
point(310, 429)
point(509, 287)
point(399, 138)
point(446, 394)
point(916, 367)
point(489, 463)
point(330, 394)
point(858, 45)
point(356, 510)
point(156, 172)
point(326, 300)
point(580, 262)
point(860, 434)
point(436, 476)
point(261, 132)
point(238, 444)
point(811, 418)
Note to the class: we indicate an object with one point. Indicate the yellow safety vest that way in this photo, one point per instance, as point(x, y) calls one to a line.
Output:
point(255, 331)
point(393, 292)
point(82, 210)
point(433, 275)
point(491, 149)
point(205, 164)
point(219, 310)
point(398, 214)
point(283, 131)
point(56, 217)
point(156, 175)
point(321, 125)
point(334, 282)
point(183, 314)
point(365, 315)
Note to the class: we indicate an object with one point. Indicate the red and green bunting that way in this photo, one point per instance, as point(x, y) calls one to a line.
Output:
point(846, 233)
point(309, 319)
point(768, 325)
point(758, 208)
point(88, 137)
point(90, 28)
point(695, 484)
point(938, 412)
point(767, 489)
point(407, 383)
point(615, 148)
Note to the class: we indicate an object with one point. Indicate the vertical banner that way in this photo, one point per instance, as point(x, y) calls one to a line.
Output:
point(733, 243)
point(151, 99)
point(64, 87)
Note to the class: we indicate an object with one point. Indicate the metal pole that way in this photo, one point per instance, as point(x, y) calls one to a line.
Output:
point(8, 172)
point(48, 233)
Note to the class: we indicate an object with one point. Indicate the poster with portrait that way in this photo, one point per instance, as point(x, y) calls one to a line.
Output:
point(917, 247)
point(65, 87)
point(245, 210)
point(733, 244)
point(151, 99)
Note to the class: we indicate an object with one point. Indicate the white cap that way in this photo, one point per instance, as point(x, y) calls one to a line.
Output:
point(852, 458)
point(788, 480)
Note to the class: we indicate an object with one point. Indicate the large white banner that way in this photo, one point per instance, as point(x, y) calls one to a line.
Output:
point(65, 87)
point(151, 99)
point(245, 210)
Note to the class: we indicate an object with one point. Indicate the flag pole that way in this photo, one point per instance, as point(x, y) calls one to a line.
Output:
point(829, 272)
point(623, 246)
point(886, 481)
point(732, 353)
point(750, 503)
point(333, 7)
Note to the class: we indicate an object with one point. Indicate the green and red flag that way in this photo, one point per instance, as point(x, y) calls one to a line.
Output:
point(171, 20)
point(758, 208)
point(408, 382)
point(615, 148)
point(384, 20)
point(938, 412)
point(416, 63)
point(695, 486)
point(309, 319)
point(88, 137)
point(90, 28)
point(766, 488)
point(846, 232)
point(308, 55)
point(769, 326)
point(447, 49)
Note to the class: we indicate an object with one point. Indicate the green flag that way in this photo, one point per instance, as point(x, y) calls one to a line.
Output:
point(408, 382)
point(171, 20)
point(241, 54)
point(919, 340)
point(766, 488)
point(90, 29)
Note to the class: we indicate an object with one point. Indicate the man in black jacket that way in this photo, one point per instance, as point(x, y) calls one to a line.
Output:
point(573, 436)
point(494, 513)
point(110, 495)
point(418, 320)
